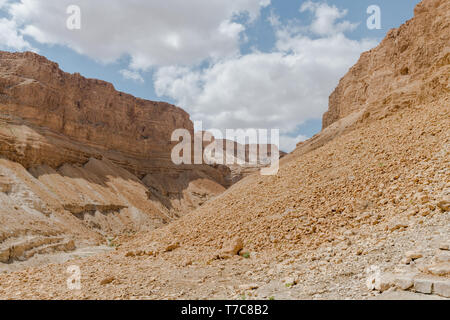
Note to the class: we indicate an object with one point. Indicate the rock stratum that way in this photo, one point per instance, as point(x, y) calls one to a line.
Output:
point(359, 209)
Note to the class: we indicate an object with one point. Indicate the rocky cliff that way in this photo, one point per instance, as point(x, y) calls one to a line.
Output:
point(79, 118)
point(409, 67)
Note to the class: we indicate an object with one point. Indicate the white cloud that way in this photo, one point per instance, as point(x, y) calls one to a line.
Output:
point(132, 75)
point(151, 33)
point(281, 89)
point(10, 38)
point(10, 35)
point(325, 17)
point(288, 143)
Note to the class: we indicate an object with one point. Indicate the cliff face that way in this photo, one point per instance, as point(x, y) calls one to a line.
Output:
point(409, 67)
point(82, 112)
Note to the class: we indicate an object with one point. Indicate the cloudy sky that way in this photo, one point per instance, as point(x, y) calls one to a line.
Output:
point(229, 63)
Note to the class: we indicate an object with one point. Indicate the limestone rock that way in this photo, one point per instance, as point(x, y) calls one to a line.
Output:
point(172, 246)
point(442, 288)
point(232, 248)
point(403, 282)
point(107, 281)
point(444, 205)
point(413, 255)
point(423, 286)
point(440, 269)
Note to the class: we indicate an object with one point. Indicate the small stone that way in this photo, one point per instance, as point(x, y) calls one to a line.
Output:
point(444, 205)
point(413, 255)
point(440, 269)
point(424, 199)
point(423, 286)
point(251, 286)
point(406, 260)
point(398, 226)
point(130, 254)
point(444, 246)
point(425, 213)
point(172, 247)
point(442, 288)
point(403, 282)
point(5, 255)
point(107, 281)
point(233, 248)
point(362, 205)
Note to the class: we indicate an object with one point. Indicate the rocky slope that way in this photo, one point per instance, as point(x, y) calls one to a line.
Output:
point(360, 196)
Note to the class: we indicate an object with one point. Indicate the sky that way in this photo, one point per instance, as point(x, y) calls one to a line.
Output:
point(232, 64)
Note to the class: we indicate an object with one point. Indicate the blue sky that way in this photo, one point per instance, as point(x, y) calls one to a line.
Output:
point(211, 74)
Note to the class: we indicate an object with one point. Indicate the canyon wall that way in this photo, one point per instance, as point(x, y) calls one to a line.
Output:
point(409, 67)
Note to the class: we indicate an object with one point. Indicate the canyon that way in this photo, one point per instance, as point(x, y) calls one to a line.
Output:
point(359, 211)
point(82, 162)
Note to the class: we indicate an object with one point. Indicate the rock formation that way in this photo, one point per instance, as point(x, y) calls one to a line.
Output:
point(83, 160)
point(407, 68)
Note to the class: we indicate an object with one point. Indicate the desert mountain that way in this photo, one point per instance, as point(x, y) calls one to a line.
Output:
point(370, 192)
